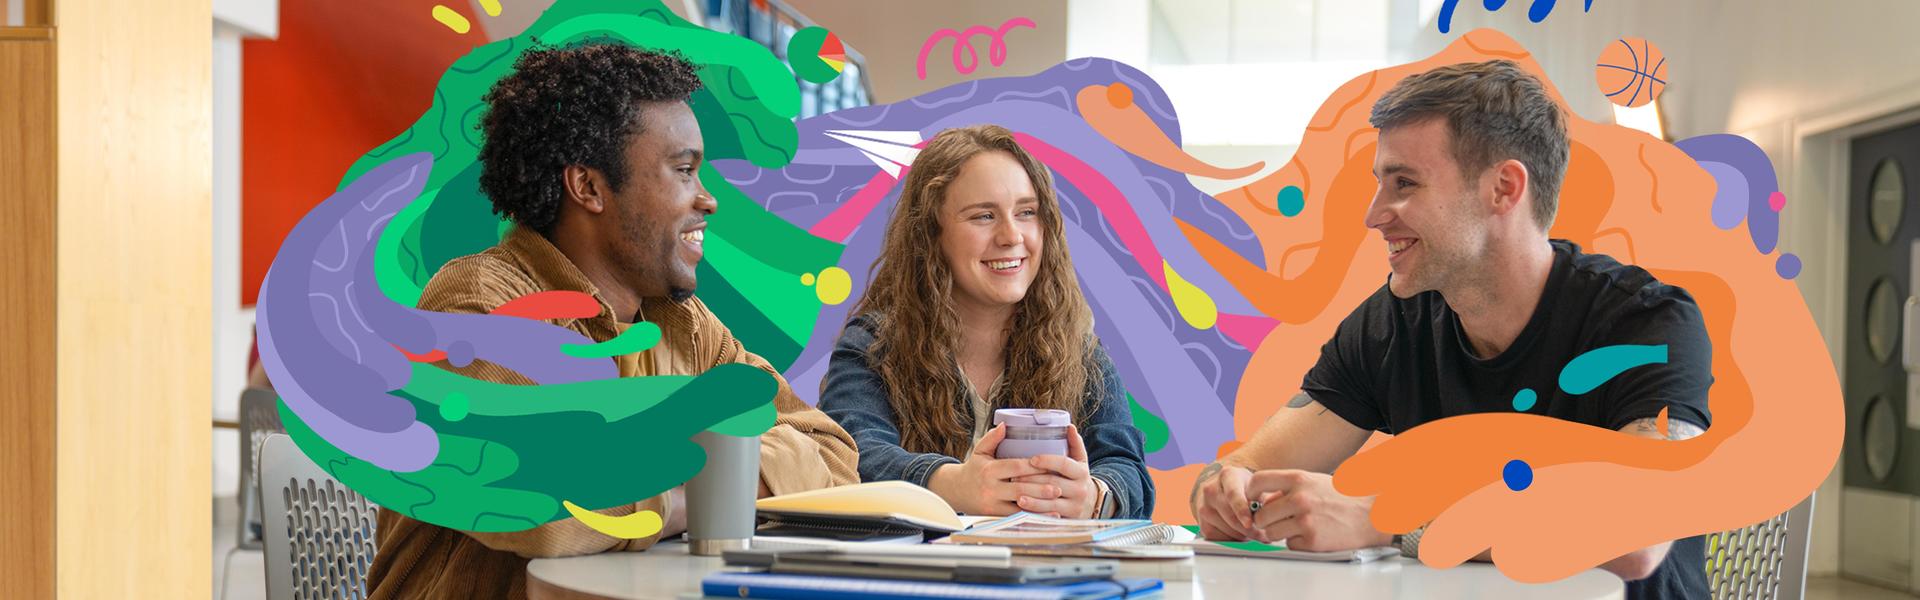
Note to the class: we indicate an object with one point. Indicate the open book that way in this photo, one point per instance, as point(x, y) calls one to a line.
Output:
point(881, 509)
point(1262, 550)
point(1028, 529)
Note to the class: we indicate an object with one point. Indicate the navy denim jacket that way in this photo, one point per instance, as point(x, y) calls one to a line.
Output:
point(855, 396)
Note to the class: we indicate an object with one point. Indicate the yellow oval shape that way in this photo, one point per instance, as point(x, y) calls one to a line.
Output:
point(453, 20)
point(629, 527)
point(1196, 307)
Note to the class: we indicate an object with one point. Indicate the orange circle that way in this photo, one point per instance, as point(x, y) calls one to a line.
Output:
point(1119, 95)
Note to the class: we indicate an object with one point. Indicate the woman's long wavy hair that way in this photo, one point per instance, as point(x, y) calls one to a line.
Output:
point(1049, 357)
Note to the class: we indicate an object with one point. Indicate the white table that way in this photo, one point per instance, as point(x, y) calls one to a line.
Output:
point(667, 571)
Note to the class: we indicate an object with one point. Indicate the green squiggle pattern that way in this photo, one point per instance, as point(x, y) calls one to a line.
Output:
point(508, 453)
point(504, 465)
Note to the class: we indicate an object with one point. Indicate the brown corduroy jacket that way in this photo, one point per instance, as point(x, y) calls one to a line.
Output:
point(804, 450)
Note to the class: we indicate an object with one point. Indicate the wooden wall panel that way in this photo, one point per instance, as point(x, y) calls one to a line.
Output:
point(27, 313)
point(135, 240)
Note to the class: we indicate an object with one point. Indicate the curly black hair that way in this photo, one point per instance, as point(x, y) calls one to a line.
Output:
point(570, 105)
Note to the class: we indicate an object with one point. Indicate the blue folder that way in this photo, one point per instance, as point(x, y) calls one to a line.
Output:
point(781, 586)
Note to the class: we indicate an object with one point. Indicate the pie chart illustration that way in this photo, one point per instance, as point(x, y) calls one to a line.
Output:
point(816, 55)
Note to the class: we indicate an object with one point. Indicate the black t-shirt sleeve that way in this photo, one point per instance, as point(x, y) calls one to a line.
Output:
point(1342, 380)
point(1665, 316)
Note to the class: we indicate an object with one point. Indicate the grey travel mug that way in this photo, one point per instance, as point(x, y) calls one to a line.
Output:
point(720, 513)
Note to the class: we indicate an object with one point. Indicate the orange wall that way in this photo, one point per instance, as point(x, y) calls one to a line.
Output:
point(342, 78)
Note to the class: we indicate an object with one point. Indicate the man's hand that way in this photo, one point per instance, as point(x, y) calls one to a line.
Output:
point(1220, 503)
point(1302, 508)
point(1303, 435)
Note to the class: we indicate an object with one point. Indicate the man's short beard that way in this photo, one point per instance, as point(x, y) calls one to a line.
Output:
point(680, 294)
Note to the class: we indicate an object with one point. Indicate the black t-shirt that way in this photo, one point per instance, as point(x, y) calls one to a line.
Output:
point(1394, 364)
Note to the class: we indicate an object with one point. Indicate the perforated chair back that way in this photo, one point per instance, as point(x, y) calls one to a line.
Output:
point(259, 418)
point(1763, 561)
point(318, 534)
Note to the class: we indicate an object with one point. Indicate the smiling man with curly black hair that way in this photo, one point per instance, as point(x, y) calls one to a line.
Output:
point(595, 148)
point(593, 152)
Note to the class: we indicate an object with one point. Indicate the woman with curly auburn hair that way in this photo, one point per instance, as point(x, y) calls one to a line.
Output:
point(972, 307)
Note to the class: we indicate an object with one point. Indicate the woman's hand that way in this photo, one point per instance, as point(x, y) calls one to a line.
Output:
point(984, 485)
point(1079, 495)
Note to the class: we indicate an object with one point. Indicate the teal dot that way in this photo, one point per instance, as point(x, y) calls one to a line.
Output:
point(1524, 399)
point(1292, 200)
point(454, 406)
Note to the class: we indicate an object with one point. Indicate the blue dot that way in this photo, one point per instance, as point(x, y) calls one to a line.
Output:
point(1517, 474)
point(1788, 265)
point(1523, 400)
point(1292, 200)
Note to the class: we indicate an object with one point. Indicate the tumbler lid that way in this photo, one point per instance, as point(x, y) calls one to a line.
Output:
point(1031, 417)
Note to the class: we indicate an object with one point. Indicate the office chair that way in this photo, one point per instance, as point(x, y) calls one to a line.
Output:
point(1762, 561)
point(318, 534)
point(259, 418)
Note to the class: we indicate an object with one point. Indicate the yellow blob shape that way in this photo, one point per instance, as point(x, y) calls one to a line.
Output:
point(453, 20)
point(834, 286)
point(630, 527)
point(1195, 305)
point(806, 279)
point(491, 6)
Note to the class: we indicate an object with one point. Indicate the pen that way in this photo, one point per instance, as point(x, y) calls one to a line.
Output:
point(1253, 506)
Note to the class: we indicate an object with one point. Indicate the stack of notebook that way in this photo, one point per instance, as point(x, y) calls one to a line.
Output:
point(881, 511)
point(1028, 529)
point(1145, 549)
point(814, 587)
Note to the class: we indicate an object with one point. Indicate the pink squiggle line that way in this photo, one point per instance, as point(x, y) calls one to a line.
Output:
point(1106, 197)
point(996, 51)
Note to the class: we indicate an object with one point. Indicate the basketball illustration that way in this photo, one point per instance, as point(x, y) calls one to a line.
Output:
point(1631, 72)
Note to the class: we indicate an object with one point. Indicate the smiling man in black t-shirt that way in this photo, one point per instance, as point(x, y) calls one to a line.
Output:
point(1481, 309)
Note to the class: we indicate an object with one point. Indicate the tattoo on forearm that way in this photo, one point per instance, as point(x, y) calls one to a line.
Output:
point(1207, 474)
point(1676, 428)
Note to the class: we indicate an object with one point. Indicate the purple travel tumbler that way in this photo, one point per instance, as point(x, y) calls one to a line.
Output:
point(1032, 432)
